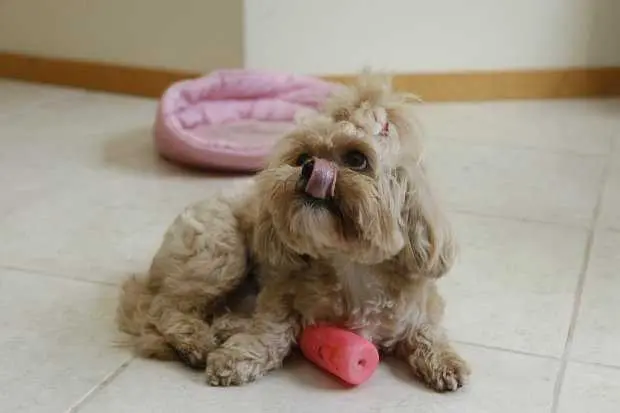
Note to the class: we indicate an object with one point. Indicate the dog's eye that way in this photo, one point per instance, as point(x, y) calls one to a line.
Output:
point(302, 159)
point(355, 160)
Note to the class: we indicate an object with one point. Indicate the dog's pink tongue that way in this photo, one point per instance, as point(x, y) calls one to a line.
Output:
point(322, 181)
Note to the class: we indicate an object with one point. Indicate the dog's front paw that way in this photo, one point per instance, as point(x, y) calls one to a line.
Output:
point(442, 372)
point(231, 367)
point(451, 375)
point(192, 356)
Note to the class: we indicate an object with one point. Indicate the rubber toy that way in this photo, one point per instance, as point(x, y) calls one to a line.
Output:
point(342, 353)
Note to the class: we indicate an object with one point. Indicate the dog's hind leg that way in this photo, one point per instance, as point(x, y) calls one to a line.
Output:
point(133, 318)
point(203, 258)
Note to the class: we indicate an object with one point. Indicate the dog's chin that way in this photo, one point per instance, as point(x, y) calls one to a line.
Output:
point(355, 222)
point(310, 226)
point(325, 229)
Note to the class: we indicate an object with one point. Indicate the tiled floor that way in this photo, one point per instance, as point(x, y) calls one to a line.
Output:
point(533, 189)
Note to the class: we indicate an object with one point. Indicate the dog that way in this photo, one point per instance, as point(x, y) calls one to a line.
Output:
point(341, 227)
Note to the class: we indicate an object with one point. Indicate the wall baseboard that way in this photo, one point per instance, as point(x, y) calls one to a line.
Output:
point(500, 85)
point(89, 75)
point(464, 86)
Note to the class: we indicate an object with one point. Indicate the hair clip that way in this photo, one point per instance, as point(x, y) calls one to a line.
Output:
point(382, 130)
point(385, 129)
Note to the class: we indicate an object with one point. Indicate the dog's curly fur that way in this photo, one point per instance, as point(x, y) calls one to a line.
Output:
point(367, 260)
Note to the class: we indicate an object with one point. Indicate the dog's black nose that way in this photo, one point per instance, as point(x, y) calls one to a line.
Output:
point(306, 171)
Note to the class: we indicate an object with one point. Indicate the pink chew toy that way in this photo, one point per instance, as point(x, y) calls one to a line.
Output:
point(342, 353)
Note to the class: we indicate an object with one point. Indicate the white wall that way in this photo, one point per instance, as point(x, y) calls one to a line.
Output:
point(341, 36)
point(319, 36)
point(194, 35)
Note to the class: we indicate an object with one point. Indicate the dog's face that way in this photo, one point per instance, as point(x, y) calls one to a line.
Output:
point(330, 190)
point(350, 185)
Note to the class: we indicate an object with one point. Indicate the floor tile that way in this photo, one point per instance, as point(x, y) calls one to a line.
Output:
point(519, 183)
point(610, 209)
point(590, 388)
point(500, 381)
point(579, 126)
point(84, 115)
point(84, 195)
point(91, 198)
point(98, 229)
point(44, 145)
point(20, 96)
point(507, 274)
point(597, 335)
point(56, 342)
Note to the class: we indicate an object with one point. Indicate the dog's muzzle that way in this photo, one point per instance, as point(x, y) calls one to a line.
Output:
point(318, 178)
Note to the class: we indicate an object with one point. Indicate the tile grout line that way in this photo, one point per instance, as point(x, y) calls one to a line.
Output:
point(535, 355)
point(503, 145)
point(557, 389)
point(506, 350)
point(44, 101)
point(596, 364)
point(468, 212)
point(612, 229)
point(34, 271)
point(100, 386)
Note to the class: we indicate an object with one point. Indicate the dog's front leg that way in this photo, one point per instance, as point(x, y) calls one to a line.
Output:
point(427, 351)
point(262, 347)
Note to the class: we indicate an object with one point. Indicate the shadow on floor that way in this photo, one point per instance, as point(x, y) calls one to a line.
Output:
point(134, 151)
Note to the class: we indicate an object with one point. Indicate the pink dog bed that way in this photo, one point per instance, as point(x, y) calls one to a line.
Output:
point(231, 119)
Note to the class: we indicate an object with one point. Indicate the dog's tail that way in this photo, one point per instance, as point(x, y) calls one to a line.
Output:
point(135, 301)
point(132, 317)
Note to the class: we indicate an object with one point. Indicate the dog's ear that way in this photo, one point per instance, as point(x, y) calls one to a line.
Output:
point(429, 249)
